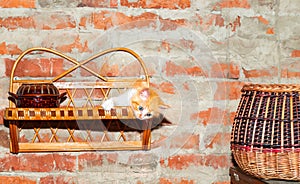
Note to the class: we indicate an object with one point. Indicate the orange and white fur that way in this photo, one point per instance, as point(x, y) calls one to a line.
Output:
point(145, 103)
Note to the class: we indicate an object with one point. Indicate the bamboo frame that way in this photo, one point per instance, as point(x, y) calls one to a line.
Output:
point(15, 115)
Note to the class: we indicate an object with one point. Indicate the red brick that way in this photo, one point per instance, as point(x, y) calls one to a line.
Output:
point(64, 162)
point(91, 160)
point(77, 45)
point(1, 116)
point(17, 4)
point(111, 158)
point(183, 141)
point(217, 161)
point(47, 163)
point(10, 49)
point(61, 179)
point(169, 25)
point(39, 21)
point(185, 181)
point(234, 71)
point(195, 71)
point(257, 73)
point(212, 116)
point(173, 4)
point(217, 20)
point(12, 23)
point(54, 21)
point(175, 181)
point(83, 22)
point(222, 182)
point(181, 162)
point(114, 3)
point(4, 139)
point(3, 49)
point(106, 19)
point(186, 141)
point(165, 181)
point(38, 162)
point(228, 90)
point(16, 180)
point(220, 139)
point(225, 70)
point(145, 20)
point(291, 70)
point(40, 66)
point(136, 4)
point(295, 53)
point(9, 163)
point(167, 87)
point(173, 69)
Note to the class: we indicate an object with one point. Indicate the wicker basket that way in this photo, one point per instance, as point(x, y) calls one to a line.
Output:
point(265, 139)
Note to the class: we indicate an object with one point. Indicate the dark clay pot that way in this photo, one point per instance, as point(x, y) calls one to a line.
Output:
point(40, 95)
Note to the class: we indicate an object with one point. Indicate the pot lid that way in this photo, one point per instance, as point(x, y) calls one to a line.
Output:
point(38, 88)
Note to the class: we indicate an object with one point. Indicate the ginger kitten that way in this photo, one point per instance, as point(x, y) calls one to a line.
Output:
point(145, 103)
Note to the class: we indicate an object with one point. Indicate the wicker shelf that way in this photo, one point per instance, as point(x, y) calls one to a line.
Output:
point(78, 127)
point(68, 113)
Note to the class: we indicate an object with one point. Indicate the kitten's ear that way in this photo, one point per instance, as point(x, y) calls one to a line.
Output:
point(144, 93)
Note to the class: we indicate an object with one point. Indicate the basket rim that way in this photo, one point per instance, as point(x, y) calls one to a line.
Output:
point(271, 87)
point(248, 148)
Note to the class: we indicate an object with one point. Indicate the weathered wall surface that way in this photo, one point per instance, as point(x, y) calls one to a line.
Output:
point(199, 53)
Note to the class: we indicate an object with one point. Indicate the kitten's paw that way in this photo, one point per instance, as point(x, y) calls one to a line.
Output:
point(108, 104)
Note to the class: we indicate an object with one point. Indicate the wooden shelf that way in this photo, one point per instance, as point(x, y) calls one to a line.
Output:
point(68, 113)
point(80, 124)
point(40, 147)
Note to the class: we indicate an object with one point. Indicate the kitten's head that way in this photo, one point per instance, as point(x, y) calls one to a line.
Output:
point(147, 104)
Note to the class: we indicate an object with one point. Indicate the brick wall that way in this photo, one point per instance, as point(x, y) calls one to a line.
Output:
point(199, 54)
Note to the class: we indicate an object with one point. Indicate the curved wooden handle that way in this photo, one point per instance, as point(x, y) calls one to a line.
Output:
point(78, 64)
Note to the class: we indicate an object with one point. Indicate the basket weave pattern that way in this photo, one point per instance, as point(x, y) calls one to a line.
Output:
point(265, 139)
